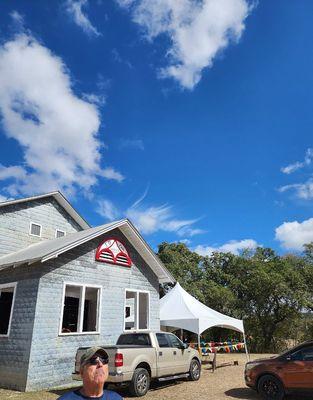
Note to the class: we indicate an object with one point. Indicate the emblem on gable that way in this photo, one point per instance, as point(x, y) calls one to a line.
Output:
point(113, 251)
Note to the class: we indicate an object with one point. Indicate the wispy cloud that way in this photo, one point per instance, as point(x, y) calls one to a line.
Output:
point(3, 198)
point(106, 209)
point(289, 169)
point(197, 30)
point(118, 58)
point(149, 219)
point(302, 191)
point(136, 144)
point(75, 10)
point(293, 235)
point(233, 246)
point(17, 19)
point(112, 174)
point(58, 133)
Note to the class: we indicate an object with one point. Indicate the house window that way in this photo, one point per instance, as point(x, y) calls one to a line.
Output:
point(35, 229)
point(136, 310)
point(7, 295)
point(80, 309)
point(59, 233)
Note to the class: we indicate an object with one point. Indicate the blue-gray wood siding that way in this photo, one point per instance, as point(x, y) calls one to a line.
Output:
point(15, 349)
point(15, 221)
point(51, 356)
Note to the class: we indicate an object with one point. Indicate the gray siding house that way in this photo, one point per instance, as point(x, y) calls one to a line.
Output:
point(64, 284)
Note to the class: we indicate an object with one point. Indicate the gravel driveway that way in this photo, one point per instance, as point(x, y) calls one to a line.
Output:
point(225, 383)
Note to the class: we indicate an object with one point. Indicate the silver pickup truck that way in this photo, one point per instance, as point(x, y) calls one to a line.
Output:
point(139, 357)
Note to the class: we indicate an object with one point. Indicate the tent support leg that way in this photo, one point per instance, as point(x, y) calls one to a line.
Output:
point(181, 334)
point(199, 348)
point(246, 348)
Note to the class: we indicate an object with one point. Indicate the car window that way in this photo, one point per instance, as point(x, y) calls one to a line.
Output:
point(175, 342)
point(162, 340)
point(139, 339)
point(305, 354)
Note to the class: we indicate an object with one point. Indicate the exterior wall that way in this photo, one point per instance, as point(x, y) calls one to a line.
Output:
point(52, 356)
point(15, 349)
point(15, 222)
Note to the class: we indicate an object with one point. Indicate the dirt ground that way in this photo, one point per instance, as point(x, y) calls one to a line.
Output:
point(226, 382)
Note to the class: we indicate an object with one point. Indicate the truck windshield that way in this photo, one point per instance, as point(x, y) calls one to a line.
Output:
point(139, 339)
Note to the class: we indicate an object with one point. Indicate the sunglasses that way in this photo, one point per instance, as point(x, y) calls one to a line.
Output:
point(96, 360)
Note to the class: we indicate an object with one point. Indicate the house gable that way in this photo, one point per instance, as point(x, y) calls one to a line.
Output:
point(16, 218)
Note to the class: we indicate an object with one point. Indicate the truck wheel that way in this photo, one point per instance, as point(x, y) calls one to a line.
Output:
point(270, 388)
point(140, 383)
point(194, 370)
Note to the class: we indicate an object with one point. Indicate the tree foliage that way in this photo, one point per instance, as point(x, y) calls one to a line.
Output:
point(273, 294)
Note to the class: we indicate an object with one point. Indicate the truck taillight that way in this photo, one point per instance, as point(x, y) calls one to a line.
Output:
point(119, 360)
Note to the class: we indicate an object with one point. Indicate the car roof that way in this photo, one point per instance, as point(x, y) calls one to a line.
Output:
point(299, 346)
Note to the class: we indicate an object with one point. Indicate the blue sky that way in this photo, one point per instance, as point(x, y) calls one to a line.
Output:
point(191, 118)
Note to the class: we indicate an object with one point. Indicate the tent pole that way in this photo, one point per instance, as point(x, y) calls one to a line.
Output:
point(181, 334)
point(199, 348)
point(246, 348)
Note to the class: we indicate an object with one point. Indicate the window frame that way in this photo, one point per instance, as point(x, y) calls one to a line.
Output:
point(82, 287)
point(30, 229)
point(175, 338)
point(6, 286)
point(137, 310)
point(169, 345)
point(59, 230)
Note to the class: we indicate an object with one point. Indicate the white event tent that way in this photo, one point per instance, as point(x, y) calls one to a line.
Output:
point(181, 310)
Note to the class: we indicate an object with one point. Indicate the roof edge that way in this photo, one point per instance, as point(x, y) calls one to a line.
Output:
point(60, 198)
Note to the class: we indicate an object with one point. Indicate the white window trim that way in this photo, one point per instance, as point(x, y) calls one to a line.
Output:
point(5, 286)
point(30, 229)
point(137, 309)
point(82, 287)
point(59, 230)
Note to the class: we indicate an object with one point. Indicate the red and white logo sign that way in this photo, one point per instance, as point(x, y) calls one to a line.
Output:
point(113, 251)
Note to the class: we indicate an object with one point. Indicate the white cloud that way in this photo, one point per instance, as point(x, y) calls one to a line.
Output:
point(153, 219)
point(57, 130)
point(110, 173)
point(18, 19)
point(93, 98)
point(303, 191)
point(298, 165)
point(233, 246)
point(3, 198)
point(149, 220)
point(198, 31)
point(75, 10)
point(293, 235)
point(136, 144)
point(107, 210)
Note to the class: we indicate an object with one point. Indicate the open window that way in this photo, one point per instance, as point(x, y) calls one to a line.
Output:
point(137, 309)
point(80, 309)
point(7, 296)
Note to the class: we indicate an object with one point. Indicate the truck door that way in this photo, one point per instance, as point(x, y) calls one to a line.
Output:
point(164, 355)
point(180, 355)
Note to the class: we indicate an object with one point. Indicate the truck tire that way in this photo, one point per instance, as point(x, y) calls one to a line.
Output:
point(270, 388)
point(140, 383)
point(194, 370)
